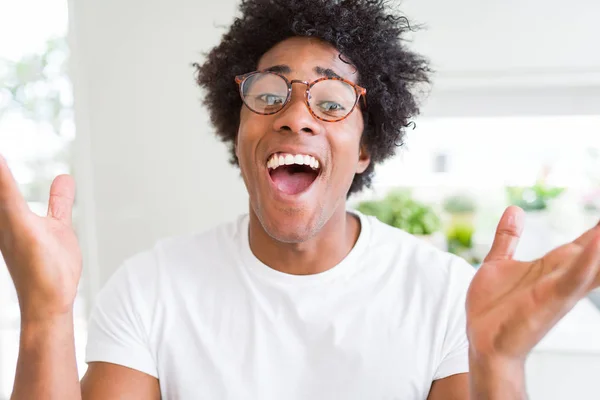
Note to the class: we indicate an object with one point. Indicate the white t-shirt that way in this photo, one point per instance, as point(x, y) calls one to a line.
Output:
point(210, 321)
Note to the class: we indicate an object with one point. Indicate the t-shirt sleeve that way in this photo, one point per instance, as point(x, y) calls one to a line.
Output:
point(118, 325)
point(455, 349)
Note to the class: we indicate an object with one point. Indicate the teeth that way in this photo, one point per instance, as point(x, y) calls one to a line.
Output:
point(278, 160)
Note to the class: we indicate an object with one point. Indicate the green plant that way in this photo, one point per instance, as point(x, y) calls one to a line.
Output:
point(459, 204)
point(460, 235)
point(459, 238)
point(533, 198)
point(399, 209)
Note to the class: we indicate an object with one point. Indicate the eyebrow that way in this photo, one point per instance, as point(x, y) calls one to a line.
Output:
point(281, 69)
point(285, 69)
point(328, 72)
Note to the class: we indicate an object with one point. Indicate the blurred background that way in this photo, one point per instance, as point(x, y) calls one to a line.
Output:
point(105, 91)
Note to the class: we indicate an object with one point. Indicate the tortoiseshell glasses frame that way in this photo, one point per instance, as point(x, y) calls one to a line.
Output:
point(359, 91)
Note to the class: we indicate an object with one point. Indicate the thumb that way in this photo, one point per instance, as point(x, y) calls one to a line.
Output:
point(507, 236)
point(62, 196)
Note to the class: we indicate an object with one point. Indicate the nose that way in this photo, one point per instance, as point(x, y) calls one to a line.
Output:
point(296, 117)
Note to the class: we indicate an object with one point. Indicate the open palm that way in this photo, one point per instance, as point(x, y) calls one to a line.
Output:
point(512, 304)
point(41, 253)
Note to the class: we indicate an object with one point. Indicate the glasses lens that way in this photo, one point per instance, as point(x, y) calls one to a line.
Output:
point(264, 93)
point(332, 99)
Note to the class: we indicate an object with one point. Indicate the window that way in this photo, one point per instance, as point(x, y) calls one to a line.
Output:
point(481, 159)
point(36, 132)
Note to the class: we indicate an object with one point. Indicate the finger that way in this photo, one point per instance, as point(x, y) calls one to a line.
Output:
point(507, 236)
point(12, 202)
point(585, 238)
point(565, 286)
point(62, 196)
point(554, 295)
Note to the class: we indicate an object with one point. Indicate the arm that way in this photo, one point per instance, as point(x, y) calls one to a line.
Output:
point(451, 378)
point(47, 357)
point(112, 381)
point(455, 387)
point(46, 367)
point(511, 305)
point(486, 381)
point(490, 380)
point(44, 262)
point(43, 258)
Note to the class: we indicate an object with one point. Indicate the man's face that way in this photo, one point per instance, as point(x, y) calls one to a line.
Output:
point(294, 202)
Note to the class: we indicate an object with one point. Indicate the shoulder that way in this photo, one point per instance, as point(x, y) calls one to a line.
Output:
point(183, 248)
point(416, 260)
point(180, 255)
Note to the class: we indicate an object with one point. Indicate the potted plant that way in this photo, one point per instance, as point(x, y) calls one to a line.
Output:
point(533, 198)
point(539, 236)
point(460, 207)
point(399, 209)
point(459, 236)
point(461, 226)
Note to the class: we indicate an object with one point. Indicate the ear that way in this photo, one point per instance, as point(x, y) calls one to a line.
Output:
point(364, 159)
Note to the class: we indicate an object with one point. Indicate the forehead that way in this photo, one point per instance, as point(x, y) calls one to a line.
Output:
point(303, 54)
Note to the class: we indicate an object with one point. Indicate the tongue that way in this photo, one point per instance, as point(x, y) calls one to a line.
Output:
point(292, 182)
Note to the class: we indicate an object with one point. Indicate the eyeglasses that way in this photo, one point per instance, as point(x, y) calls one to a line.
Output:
point(329, 99)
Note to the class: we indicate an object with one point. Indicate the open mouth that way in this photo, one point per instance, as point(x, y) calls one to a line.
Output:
point(293, 174)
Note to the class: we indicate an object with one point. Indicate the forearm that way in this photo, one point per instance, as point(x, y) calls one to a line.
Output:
point(47, 366)
point(491, 379)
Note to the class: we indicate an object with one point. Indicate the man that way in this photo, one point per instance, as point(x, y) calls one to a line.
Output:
point(300, 299)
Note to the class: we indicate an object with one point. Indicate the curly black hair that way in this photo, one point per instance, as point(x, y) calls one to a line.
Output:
point(367, 32)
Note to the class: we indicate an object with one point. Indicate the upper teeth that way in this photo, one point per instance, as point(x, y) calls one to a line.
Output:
point(279, 159)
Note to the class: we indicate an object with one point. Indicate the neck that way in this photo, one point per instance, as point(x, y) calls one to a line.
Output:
point(318, 254)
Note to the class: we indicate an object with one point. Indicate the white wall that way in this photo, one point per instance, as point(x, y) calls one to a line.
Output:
point(510, 57)
point(149, 165)
point(563, 375)
point(513, 37)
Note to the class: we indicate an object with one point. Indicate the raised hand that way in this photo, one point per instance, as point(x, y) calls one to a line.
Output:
point(42, 253)
point(512, 304)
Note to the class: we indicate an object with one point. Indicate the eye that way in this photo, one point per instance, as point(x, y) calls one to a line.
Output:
point(329, 106)
point(270, 99)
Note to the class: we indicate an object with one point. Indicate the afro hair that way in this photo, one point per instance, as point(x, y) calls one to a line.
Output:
point(367, 32)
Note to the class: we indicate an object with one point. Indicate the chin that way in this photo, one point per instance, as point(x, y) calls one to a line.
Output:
point(289, 226)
